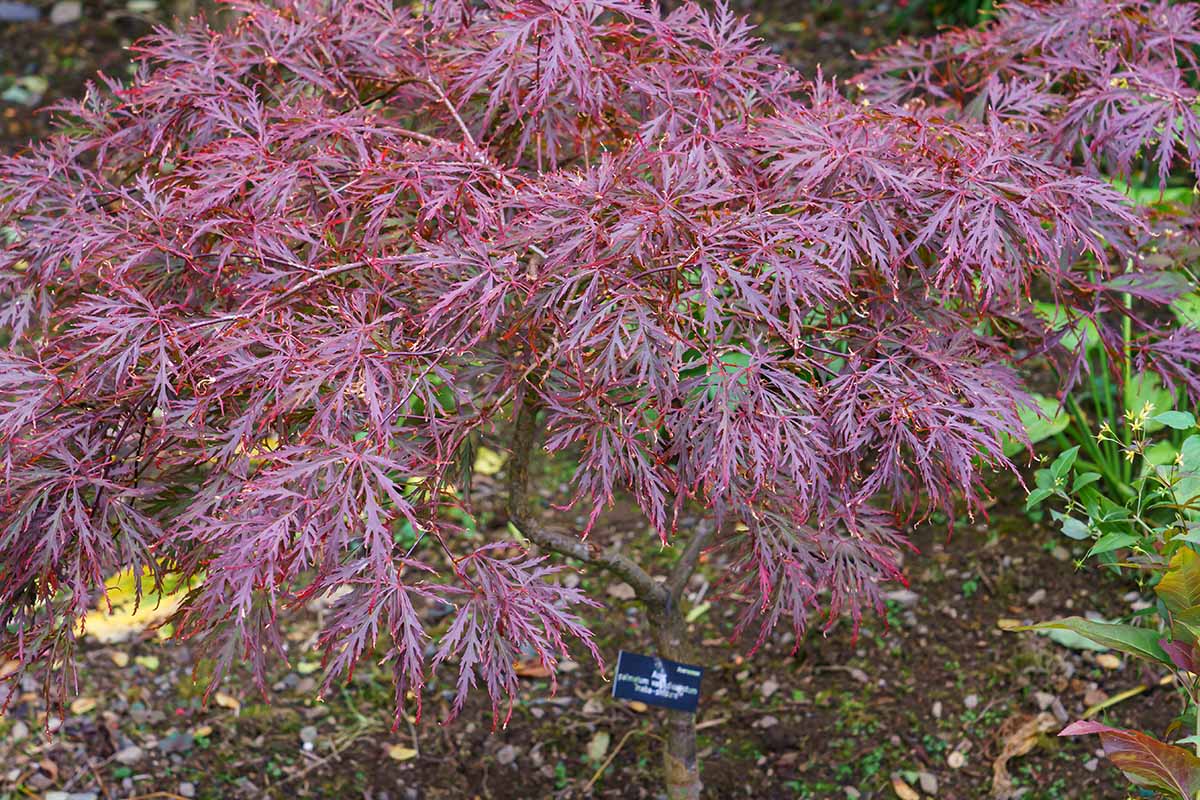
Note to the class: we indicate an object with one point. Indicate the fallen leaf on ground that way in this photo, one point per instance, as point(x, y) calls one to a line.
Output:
point(1019, 734)
point(82, 705)
point(531, 668)
point(399, 752)
point(488, 461)
point(638, 706)
point(598, 746)
point(119, 658)
point(226, 701)
point(903, 790)
point(130, 615)
point(149, 662)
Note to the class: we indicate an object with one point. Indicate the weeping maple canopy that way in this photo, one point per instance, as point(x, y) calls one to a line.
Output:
point(260, 301)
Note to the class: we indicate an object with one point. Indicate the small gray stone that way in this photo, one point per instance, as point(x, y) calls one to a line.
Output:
point(1091, 765)
point(507, 755)
point(1043, 700)
point(177, 743)
point(56, 796)
point(1061, 553)
point(130, 755)
point(937, 709)
point(187, 789)
point(308, 734)
point(19, 731)
point(904, 597)
point(66, 11)
point(929, 782)
point(1036, 597)
point(971, 700)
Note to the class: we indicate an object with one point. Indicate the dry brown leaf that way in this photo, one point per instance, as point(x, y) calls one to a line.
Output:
point(1019, 734)
point(531, 668)
point(228, 701)
point(119, 658)
point(638, 706)
point(82, 705)
point(903, 790)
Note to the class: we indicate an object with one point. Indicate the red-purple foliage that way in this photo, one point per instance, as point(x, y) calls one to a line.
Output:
point(1111, 82)
point(262, 300)
point(1108, 87)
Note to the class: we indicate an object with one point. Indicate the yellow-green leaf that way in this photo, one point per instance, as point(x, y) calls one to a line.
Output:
point(1179, 588)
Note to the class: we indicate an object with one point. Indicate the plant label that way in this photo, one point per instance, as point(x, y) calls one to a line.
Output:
point(657, 681)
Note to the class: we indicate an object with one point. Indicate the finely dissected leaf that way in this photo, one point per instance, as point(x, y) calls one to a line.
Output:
point(1140, 642)
point(1145, 760)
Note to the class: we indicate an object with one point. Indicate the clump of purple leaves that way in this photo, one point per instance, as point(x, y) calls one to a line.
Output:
point(1102, 87)
point(260, 303)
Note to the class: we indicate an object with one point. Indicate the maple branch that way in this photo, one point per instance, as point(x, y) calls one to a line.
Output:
point(471, 144)
point(521, 515)
point(686, 565)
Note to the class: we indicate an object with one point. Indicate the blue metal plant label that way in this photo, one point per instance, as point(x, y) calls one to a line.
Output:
point(657, 681)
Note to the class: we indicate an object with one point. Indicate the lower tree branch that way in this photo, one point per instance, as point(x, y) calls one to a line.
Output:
point(688, 560)
point(521, 515)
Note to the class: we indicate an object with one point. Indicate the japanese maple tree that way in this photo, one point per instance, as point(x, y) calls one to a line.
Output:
point(261, 303)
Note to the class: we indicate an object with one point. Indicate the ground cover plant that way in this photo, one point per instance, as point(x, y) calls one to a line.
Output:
point(263, 303)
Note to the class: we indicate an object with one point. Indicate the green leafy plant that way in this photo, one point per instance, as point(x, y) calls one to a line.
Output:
point(1114, 381)
point(1153, 533)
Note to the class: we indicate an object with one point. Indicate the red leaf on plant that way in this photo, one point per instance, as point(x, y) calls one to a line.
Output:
point(1145, 760)
point(1183, 655)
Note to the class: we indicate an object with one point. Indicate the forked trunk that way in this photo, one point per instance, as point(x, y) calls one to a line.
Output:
point(679, 752)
